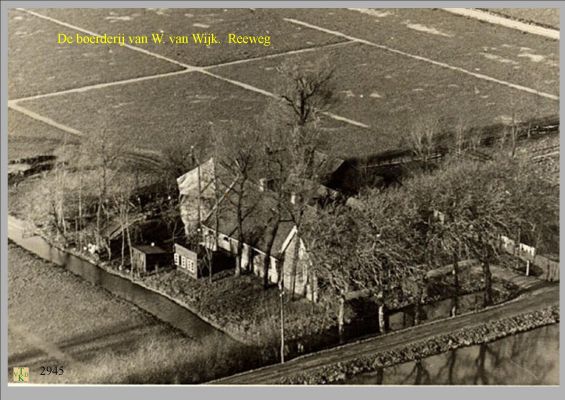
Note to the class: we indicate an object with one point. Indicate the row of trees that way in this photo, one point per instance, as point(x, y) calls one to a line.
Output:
point(95, 193)
point(391, 239)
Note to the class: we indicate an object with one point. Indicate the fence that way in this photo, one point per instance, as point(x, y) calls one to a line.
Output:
point(550, 268)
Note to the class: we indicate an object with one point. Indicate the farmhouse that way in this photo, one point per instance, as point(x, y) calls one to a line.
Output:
point(197, 187)
point(293, 263)
point(289, 261)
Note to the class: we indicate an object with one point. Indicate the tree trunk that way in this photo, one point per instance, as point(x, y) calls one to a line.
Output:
point(267, 259)
point(98, 229)
point(216, 220)
point(129, 239)
point(281, 295)
point(296, 254)
point(455, 302)
point(340, 318)
point(238, 260)
point(418, 307)
point(488, 284)
point(123, 243)
point(382, 321)
point(79, 229)
point(240, 238)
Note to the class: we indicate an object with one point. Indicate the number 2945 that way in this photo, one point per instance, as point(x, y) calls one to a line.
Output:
point(52, 370)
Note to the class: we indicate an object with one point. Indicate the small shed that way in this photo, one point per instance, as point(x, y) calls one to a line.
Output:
point(149, 258)
point(186, 261)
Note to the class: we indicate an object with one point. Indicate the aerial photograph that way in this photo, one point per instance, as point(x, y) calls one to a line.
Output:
point(283, 196)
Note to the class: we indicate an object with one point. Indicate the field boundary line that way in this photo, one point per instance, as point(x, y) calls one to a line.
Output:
point(174, 73)
point(186, 66)
point(504, 21)
point(282, 54)
point(45, 120)
point(76, 28)
point(102, 85)
point(274, 96)
point(425, 59)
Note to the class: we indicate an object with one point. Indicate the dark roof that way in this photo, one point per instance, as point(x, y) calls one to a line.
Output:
point(326, 165)
point(148, 249)
point(256, 223)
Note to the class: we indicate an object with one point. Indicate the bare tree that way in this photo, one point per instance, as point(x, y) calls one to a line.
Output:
point(238, 159)
point(384, 258)
point(481, 210)
point(306, 89)
point(423, 137)
point(336, 253)
point(511, 134)
point(459, 136)
point(124, 208)
point(103, 152)
point(57, 193)
point(185, 152)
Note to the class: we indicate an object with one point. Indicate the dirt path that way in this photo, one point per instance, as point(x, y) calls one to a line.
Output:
point(534, 300)
point(506, 22)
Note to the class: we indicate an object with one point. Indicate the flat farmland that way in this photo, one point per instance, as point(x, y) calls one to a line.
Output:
point(58, 319)
point(38, 65)
point(542, 16)
point(285, 36)
point(391, 67)
point(389, 93)
point(28, 137)
point(152, 115)
point(479, 47)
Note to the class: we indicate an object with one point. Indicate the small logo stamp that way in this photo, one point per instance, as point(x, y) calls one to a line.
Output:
point(20, 375)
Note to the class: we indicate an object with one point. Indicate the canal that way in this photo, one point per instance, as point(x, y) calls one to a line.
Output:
point(159, 306)
point(530, 358)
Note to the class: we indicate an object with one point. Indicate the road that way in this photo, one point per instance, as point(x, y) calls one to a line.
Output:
point(532, 301)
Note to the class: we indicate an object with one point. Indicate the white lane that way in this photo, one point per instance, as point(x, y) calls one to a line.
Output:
point(186, 66)
point(101, 86)
point(425, 59)
point(506, 22)
point(45, 120)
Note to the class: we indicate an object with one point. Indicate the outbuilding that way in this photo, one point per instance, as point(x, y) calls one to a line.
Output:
point(186, 261)
point(149, 258)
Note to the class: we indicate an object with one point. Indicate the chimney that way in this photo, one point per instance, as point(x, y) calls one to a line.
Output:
point(293, 198)
point(262, 184)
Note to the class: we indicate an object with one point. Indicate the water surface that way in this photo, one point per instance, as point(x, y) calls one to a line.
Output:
point(530, 358)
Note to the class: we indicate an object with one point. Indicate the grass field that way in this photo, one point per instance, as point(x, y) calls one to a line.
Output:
point(542, 16)
point(390, 67)
point(29, 137)
point(57, 319)
point(39, 65)
point(285, 36)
